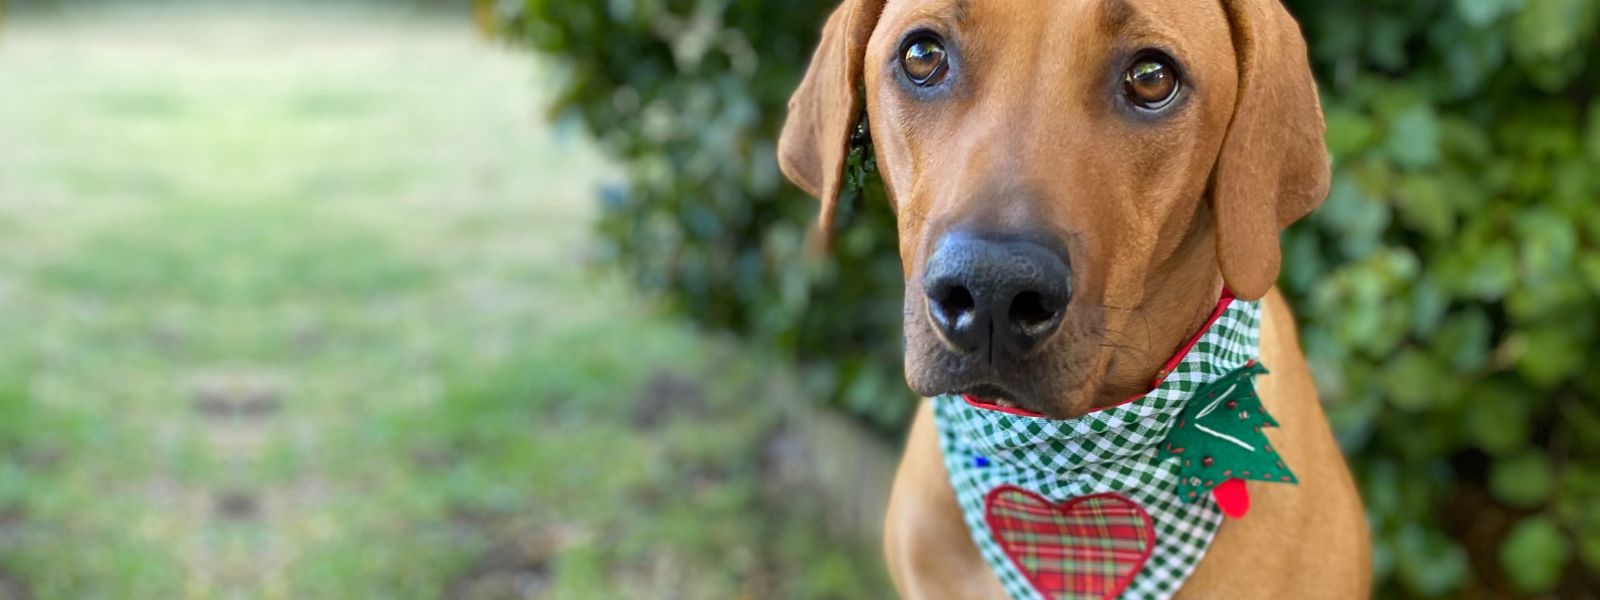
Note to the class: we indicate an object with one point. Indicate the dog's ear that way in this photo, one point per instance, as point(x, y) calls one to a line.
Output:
point(816, 136)
point(1273, 168)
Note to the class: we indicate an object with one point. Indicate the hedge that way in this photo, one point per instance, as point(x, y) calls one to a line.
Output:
point(1448, 290)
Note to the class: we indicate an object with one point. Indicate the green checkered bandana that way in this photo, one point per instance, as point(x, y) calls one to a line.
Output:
point(1108, 451)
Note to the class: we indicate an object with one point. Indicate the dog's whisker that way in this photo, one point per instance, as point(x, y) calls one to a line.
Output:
point(1142, 350)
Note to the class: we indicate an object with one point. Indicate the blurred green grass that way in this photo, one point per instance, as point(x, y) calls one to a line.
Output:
point(293, 303)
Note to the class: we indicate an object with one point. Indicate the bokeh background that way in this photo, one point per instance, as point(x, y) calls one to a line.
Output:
point(508, 299)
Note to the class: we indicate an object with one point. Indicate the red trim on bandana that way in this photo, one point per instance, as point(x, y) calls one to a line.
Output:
point(1172, 363)
point(976, 402)
point(1086, 547)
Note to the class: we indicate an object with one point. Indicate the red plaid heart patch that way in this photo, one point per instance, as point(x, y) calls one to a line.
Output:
point(1086, 547)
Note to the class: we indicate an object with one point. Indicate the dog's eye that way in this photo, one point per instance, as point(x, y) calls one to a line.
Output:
point(923, 60)
point(1151, 83)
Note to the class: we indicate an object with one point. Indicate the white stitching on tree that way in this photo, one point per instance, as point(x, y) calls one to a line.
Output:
point(1213, 406)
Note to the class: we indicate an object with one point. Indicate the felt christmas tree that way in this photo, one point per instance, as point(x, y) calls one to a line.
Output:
point(1218, 442)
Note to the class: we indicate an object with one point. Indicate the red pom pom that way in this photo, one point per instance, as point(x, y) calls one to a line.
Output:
point(1233, 497)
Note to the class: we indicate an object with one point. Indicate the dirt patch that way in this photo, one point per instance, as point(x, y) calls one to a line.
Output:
point(519, 569)
point(237, 506)
point(12, 588)
point(668, 395)
point(237, 398)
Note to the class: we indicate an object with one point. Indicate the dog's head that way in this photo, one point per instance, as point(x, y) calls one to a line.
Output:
point(1074, 181)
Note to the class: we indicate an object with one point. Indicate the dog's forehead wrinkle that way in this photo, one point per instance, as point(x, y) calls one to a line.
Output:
point(947, 12)
point(961, 10)
point(1115, 15)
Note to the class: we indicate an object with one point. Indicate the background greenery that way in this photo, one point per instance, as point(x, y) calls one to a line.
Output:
point(293, 304)
point(1449, 289)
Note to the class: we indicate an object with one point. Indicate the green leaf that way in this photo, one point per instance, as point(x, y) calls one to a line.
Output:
point(1546, 29)
point(1495, 423)
point(1494, 271)
point(1415, 382)
point(1413, 138)
point(1547, 34)
point(1592, 138)
point(1582, 421)
point(1524, 480)
point(1589, 547)
point(1348, 131)
point(1425, 207)
point(1589, 268)
point(1428, 306)
point(1464, 340)
point(1472, 58)
point(1549, 242)
point(1549, 354)
point(1578, 511)
point(1430, 563)
point(1534, 554)
point(1466, 142)
point(1358, 219)
point(1482, 12)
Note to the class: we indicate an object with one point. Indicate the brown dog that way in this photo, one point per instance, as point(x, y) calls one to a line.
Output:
point(1133, 157)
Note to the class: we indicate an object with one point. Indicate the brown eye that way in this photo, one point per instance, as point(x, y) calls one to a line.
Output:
point(923, 60)
point(1151, 83)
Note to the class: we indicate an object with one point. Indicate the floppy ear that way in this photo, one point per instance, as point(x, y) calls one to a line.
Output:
point(1273, 168)
point(822, 111)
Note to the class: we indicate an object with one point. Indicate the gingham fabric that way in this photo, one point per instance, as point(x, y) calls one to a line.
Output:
point(1112, 451)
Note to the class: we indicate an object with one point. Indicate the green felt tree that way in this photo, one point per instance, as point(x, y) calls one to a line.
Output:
point(1218, 436)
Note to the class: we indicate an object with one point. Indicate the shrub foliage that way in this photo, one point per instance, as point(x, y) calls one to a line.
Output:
point(1449, 288)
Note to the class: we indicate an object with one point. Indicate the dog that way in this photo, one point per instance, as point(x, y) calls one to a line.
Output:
point(1076, 184)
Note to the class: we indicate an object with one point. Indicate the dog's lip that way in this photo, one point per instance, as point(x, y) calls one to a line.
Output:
point(990, 393)
point(994, 397)
point(995, 402)
point(1005, 406)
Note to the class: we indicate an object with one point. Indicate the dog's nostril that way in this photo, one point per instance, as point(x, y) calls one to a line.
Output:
point(957, 299)
point(954, 302)
point(1030, 312)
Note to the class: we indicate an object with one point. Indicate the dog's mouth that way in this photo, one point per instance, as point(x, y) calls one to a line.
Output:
point(1034, 385)
point(993, 397)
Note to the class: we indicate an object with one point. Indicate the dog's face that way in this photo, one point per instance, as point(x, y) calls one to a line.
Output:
point(1074, 182)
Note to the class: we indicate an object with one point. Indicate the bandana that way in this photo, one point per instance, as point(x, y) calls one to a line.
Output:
point(1112, 503)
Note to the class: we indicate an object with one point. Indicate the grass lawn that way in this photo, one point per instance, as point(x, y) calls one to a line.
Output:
point(295, 303)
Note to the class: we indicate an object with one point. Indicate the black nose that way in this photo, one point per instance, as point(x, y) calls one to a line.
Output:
point(995, 297)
